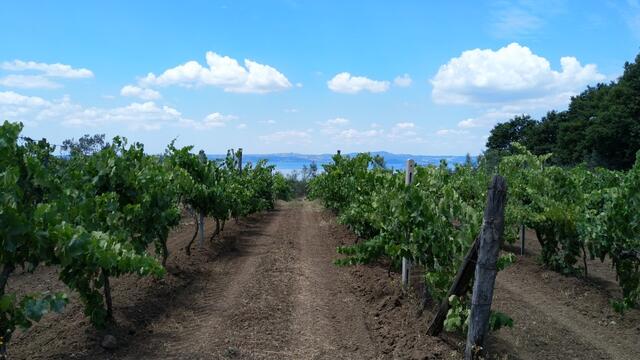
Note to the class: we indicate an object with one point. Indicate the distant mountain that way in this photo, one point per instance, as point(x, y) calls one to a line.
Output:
point(288, 162)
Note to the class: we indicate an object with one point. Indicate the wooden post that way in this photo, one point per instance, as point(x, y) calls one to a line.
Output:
point(459, 287)
point(406, 263)
point(240, 159)
point(522, 232)
point(486, 270)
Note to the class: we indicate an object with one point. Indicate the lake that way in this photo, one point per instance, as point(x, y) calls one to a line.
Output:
point(289, 162)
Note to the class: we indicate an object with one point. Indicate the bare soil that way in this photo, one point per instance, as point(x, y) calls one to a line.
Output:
point(268, 289)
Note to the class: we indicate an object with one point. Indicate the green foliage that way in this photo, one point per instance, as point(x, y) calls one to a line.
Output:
point(23, 313)
point(457, 316)
point(457, 319)
point(282, 187)
point(97, 212)
point(576, 213)
point(26, 221)
point(433, 222)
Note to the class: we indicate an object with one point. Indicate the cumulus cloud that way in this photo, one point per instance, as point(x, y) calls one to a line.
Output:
point(405, 125)
point(42, 78)
point(355, 136)
point(405, 131)
point(213, 120)
point(290, 137)
point(28, 82)
point(10, 98)
point(53, 70)
point(223, 72)
point(403, 81)
point(142, 93)
point(136, 116)
point(511, 75)
point(347, 84)
point(489, 117)
point(333, 126)
point(445, 132)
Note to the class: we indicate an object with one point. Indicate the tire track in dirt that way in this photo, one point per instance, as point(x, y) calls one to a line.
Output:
point(203, 315)
point(275, 295)
point(561, 317)
point(328, 319)
point(560, 323)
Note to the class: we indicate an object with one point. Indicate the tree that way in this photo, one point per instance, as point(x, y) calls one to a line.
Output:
point(86, 145)
point(519, 129)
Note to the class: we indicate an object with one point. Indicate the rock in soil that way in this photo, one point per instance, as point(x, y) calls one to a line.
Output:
point(109, 342)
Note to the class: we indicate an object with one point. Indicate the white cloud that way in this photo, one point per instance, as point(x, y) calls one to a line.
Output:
point(358, 136)
point(445, 132)
point(53, 70)
point(33, 109)
point(332, 126)
point(337, 121)
point(403, 81)
point(468, 123)
point(289, 137)
point(345, 83)
point(241, 126)
point(223, 72)
point(213, 120)
point(490, 117)
point(142, 93)
point(405, 125)
point(11, 98)
point(512, 76)
point(136, 116)
point(28, 82)
point(405, 131)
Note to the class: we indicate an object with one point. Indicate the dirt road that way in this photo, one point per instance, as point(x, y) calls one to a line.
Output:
point(269, 290)
point(276, 295)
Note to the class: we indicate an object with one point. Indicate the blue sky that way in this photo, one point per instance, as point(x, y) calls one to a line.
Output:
point(303, 76)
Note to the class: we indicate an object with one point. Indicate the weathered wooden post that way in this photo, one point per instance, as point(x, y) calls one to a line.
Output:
point(459, 287)
point(406, 263)
point(522, 232)
point(486, 270)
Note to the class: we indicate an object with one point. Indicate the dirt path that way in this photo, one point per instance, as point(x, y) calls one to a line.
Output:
point(327, 318)
point(269, 290)
point(563, 317)
point(275, 294)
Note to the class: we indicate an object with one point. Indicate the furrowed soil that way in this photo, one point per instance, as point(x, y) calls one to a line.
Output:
point(268, 289)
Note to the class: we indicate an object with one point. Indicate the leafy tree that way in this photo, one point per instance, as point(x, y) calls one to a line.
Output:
point(519, 129)
point(86, 145)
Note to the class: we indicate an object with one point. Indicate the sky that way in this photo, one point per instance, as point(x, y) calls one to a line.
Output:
point(419, 77)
